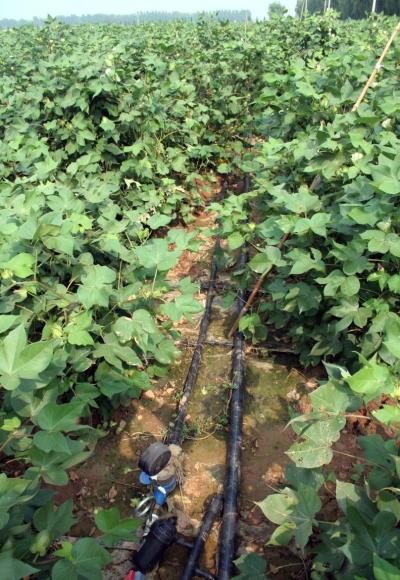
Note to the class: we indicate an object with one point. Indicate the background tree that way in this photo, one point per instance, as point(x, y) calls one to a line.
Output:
point(354, 9)
point(276, 9)
point(137, 18)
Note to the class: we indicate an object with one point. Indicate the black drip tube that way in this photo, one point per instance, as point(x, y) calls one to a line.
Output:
point(227, 545)
point(175, 435)
point(210, 516)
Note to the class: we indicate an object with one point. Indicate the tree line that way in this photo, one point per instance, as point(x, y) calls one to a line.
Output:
point(349, 8)
point(137, 18)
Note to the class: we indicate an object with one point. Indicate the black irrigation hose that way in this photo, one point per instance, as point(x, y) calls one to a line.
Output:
point(210, 516)
point(227, 545)
point(175, 435)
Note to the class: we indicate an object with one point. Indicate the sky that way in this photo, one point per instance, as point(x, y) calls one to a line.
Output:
point(41, 8)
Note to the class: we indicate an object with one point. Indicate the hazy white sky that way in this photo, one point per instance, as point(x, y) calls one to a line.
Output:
point(30, 8)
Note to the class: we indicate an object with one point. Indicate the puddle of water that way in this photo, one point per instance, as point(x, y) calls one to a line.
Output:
point(265, 437)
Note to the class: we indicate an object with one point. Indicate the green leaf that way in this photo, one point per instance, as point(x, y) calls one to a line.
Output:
point(79, 337)
point(251, 567)
point(394, 283)
point(44, 168)
point(318, 223)
point(183, 305)
point(156, 254)
point(51, 442)
point(265, 260)
point(301, 202)
point(371, 380)
point(333, 397)
point(11, 424)
point(223, 168)
point(85, 560)
point(384, 181)
point(388, 415)
point(115, 529)
point(111, 382)
point(310, 454)
point(279, 507)
point(235, 240)
point(21, 265)
point(55, 520)
point(158, 221)
point(282, 535)
point(55, 418)
point(7, 321)
point(392, 341)
point(350, 286)
point(383, 570)
point(303, 262)
point(13, 569)
point(76, 329)
point(114, 353)
point(21, 361)
point(96, 287)
point(107, 125)
point(139, 327)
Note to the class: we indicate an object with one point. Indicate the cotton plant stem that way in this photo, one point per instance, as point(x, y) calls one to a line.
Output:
point(254, 293)
point(317, 179)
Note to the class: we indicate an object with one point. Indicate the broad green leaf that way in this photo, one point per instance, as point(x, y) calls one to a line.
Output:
point(303, 262)
point(371, 380)
point(85, 560)
point(389, 415)
point(279, 507)
point(56, 520)
point(383, 570)
point(235, 240)
point(13, 569)
point(113, 352)
point(263, 261)
point(183, 305)
point(332, 396)
point(156, 254)
point(350, 286)
point(55, 418)
point(96, 287)
point(113, 527)
point(7, 321)
point(111, 382)
point(21, 361)
point(139, 327)
point(158, 221)
point(310, 454)
point(251, 567)
point(318, 223)
point(54, 441)
point(21, 265)
point(11, 425)
point(79, 337)
point(282, 535)
point(384, 181)
point(107, 125)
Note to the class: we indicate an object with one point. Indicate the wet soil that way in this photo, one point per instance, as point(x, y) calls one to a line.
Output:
point(110, 477)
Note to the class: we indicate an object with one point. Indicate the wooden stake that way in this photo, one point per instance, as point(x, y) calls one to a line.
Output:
point(377, 68)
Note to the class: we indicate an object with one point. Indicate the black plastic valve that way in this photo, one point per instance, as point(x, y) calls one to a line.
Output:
point(162, 533)
point(154, 458)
